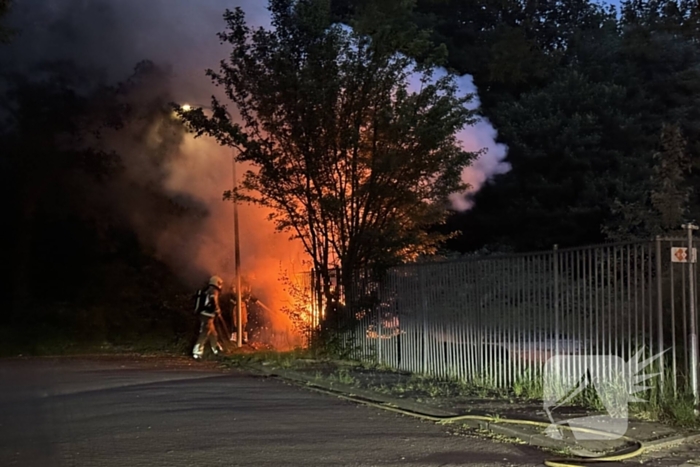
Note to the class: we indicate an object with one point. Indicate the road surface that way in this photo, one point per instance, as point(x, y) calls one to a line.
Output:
point(133, 412)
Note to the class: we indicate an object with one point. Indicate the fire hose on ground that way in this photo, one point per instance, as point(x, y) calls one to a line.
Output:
point(637, 449)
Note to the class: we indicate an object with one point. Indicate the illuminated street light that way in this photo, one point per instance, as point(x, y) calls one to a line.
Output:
point(237, 250)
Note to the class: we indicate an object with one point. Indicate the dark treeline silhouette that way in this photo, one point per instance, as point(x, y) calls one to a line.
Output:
point(71, 146)
point(595, 105)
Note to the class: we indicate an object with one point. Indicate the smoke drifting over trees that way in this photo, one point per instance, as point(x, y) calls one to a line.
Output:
point(96, 77)
point(77, 68)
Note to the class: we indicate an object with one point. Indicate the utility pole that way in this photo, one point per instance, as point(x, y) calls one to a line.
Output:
point(693, 318)
point(236, 239)
point(237, 254)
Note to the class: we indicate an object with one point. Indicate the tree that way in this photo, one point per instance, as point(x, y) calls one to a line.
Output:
point(582, 154)
point(566, 165)
point(350, 161)
point(663, 202)
point(5, 33)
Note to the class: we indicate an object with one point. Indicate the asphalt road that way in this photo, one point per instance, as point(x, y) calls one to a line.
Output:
point(174, 412)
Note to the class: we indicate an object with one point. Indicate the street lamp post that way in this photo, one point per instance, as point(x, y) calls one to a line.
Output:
point(237, 259)
point(237, 249)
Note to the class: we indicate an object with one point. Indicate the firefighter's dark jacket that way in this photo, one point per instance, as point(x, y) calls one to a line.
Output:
point(213, 292)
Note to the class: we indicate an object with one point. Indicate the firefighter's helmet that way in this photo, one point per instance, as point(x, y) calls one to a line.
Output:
point(216, 281)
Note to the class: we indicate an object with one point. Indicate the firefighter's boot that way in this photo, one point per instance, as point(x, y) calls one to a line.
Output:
point(197, 352)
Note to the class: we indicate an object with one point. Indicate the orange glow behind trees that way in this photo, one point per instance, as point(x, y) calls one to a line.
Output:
point(346, 158)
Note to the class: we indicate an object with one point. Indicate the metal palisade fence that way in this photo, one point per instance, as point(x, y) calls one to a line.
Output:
point(498, 319)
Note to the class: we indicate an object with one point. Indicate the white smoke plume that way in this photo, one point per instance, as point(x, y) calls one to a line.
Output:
point(474, 138)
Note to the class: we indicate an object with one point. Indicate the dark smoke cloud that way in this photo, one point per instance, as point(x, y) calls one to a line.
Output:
point(164, 170)
point(106, 39)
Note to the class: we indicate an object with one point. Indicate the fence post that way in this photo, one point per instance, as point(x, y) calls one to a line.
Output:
point(378, 307)
point(555, 265)
point(314, 303)
point(424, 312)
point(659, 310)
point(693, 319)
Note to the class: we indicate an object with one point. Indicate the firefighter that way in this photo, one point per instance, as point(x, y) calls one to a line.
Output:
point(248, 300)
point(211, 310)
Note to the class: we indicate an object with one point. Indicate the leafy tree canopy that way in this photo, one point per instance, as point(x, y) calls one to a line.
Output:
point(349, 158)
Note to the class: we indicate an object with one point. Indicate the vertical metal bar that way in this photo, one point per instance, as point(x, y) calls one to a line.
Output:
point(616, 298)
point(508, 318)
point(380, 318)
point(616, 292)
point(609, 307)
point(583, 309)
point(468, 313)
point(416, 302)
point(457, 323)
point(544, 273)
point(596, 320)
point(498, 323)
point(478, 329)
point(424, 312)
point(531, 282)
point(450, 297)
point(659, 311)
point(693, 321)
point(529, 303)
point(563, 304)
point(437, 320)
point(470, 321)
point(476, 317)
point(524, 323)
point(629, 311)
point(400, 311)
point(565, 310)
point(686, 348)
point(643, 311)
point(406, 306)
point(428, 321)
point(525, 310)
point(674, 366)
point(488, 321)
point(555, 297)
point(571, 313)
point(650, 288)
point(407, 310)
point(514, 318)
point(442, 306)
point(504, 322)
point(493, 320)
point(636, 298)
point(417, 321)
point(461, 321)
